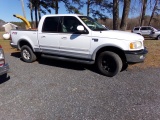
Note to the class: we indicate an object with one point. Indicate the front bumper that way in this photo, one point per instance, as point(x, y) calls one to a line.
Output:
point(4, 69)
point(136, 56)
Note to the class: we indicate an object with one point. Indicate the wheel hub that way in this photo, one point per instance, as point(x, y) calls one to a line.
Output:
point(26, 54)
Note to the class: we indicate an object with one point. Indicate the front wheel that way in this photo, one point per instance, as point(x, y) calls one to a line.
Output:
point(109, 63)
point(27, 54)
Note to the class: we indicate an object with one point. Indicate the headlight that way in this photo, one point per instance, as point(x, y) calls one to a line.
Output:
point(135, 45)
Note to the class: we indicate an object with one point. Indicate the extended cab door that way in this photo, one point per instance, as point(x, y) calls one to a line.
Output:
point(49, 36)
point(74, 43)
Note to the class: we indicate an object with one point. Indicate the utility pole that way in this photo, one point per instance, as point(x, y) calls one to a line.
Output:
point(24, 14)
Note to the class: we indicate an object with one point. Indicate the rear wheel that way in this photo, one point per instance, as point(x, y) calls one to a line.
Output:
point(109, 63)
point(27, 54)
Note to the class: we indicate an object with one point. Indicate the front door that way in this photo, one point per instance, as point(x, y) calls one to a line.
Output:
point(74, 43)
point(145, 30)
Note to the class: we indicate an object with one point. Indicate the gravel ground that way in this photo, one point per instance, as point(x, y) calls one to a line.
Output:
point(56, 90)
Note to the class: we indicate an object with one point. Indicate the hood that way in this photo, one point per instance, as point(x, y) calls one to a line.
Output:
point(120, 35)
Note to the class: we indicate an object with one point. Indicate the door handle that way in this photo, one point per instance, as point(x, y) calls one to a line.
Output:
point(63, 37)
point(43, 36)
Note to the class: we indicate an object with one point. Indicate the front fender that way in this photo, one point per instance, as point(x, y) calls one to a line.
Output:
point(108, 47)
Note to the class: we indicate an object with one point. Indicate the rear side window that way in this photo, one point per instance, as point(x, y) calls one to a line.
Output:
point(149, 28)
point(136, 28)
point(51, 24)
point(144, 28)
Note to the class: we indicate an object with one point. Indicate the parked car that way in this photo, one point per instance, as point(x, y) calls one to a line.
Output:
point(4, 67)
point(155, 35)
point(79, 38)
point(144, 30)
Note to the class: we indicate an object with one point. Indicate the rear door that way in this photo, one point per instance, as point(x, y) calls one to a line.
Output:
point(49, 36)
point(145, 30)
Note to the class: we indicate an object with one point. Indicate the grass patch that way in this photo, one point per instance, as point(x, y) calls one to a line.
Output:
point(6, 44)
point(152, 58)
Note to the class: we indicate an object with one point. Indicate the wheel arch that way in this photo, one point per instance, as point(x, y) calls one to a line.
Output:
point(114, 49)
point(24, 42)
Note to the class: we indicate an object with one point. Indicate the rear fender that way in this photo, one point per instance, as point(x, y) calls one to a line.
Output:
point(22, 42)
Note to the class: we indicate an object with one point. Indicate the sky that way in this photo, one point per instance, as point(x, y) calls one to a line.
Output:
point(10, 7)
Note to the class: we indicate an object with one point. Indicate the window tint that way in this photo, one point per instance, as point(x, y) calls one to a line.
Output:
point(149, 28)
point(70, 24)
point(144, 28)
point(51, 24)
point(136, 28)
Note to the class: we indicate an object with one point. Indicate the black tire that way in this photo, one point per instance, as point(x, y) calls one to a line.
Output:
point(4, 76)
point(109, 63)
point(158, 37)
point(27, 54)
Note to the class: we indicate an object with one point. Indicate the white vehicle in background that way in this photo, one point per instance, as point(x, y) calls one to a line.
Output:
point(79, 38)
point(144, 30)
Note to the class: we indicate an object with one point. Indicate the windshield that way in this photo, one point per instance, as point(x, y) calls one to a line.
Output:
point(92, 24)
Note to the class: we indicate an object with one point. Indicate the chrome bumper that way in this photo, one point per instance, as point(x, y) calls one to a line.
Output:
point(4, 69)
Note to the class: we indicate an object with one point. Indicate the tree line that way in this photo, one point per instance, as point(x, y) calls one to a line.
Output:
point(98, 9)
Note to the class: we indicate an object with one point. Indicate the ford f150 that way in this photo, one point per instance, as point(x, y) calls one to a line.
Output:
point(81, 39)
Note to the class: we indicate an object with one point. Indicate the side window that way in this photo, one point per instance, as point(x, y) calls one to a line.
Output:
point(136, 28)
point(70, 24)
point(51, 24)
point(149, 28)
point(143, 28)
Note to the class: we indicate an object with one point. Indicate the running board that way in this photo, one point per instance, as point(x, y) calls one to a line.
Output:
point(68, 59)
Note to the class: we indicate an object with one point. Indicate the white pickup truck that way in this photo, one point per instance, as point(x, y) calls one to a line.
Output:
point(81, 39)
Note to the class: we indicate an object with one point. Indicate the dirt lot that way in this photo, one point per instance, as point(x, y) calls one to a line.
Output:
point(55, 90)
point(152, 58)
point(6, 44)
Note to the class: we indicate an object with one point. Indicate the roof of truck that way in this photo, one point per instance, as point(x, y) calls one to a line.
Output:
point(64, 15)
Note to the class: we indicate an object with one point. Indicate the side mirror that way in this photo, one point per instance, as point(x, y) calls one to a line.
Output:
point(80, 28)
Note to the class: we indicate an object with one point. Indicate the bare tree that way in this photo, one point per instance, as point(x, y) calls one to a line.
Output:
point(125, 13)
point(144, 4)
point(35, 11)
point(39, 9)
point(31, 12)
point(56, 6)
point(154, 9)
point(88, 7)
point(115, 14)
